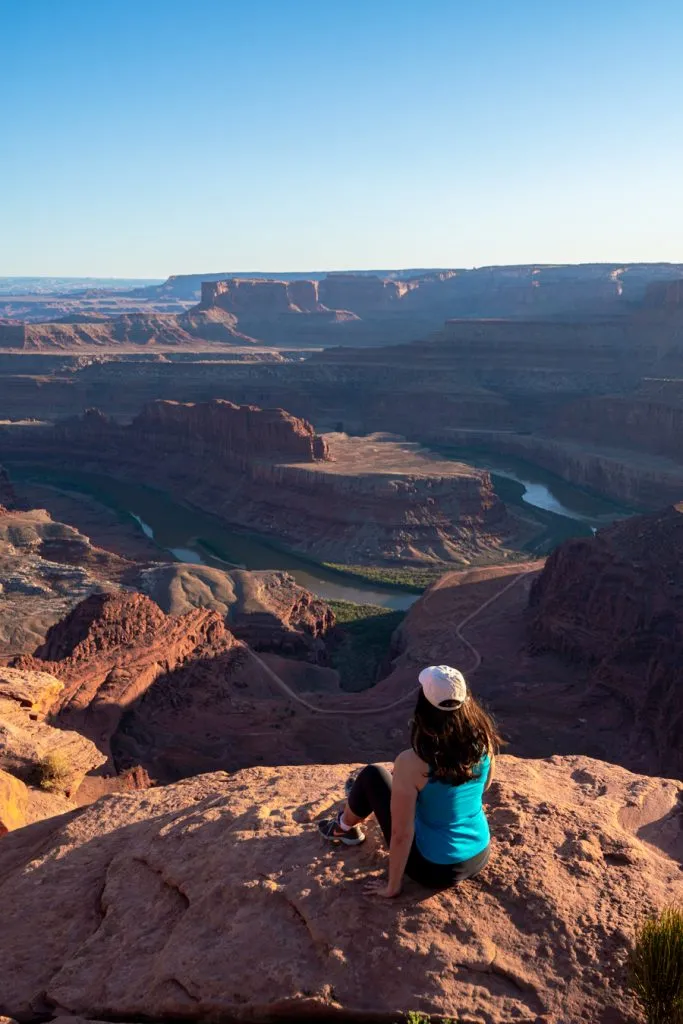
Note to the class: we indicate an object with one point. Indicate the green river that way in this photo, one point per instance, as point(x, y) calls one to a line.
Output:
point(561, 509)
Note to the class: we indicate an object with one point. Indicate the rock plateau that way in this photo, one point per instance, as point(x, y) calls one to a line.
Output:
point(340, 499)
point(152, 905)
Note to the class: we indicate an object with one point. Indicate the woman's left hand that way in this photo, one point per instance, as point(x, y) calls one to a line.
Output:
point(381, 889)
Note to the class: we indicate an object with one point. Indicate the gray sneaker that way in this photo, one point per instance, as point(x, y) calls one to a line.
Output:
point(331, 830)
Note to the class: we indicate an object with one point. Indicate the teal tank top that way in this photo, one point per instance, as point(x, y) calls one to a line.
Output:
point(450, 823)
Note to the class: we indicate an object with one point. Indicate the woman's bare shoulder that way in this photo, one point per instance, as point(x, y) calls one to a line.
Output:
point(410, 766)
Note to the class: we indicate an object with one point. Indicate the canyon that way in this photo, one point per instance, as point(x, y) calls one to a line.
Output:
point(336, 498)
point(202, 707)
point(594, 397)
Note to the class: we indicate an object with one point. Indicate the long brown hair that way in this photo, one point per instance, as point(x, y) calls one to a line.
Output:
point(453, 743)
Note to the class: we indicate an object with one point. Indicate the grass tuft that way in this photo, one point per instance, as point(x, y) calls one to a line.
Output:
point(53, 772)
point(411, 578)
point(656, 967)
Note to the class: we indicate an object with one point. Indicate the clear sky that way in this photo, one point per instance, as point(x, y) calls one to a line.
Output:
point(142, 138)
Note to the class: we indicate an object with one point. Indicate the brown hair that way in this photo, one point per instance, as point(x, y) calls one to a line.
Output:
point(453, 743)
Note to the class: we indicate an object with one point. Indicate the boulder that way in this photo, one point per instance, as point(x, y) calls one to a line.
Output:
point(217, 898)
point(268, 610)
point(26, 738)
point(13, 803)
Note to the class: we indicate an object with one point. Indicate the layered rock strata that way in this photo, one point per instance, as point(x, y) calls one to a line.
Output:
point(45, 569)
point(151, 904)
point(341, 499)
point(268, 610)
point(615, 604)
point(8, 497)
point(26, 737)
point(113, 647)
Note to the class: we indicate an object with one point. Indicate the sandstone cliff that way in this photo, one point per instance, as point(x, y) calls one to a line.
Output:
point(227, 431)
point(268, 610)
point(45, 569)
point(8, 497)
point(261, 298)
point(112, 648)
point(27, 738)
point(151, 906)
point(127, 330)
point(341, 499)
point(615, 603)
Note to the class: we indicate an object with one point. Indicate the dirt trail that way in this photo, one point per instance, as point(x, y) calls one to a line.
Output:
point(410, 696)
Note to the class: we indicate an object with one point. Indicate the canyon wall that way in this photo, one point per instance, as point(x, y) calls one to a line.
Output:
point(227, 431)
point(128, 330)
point(339, 499)
point(615, 603)
point(259, 297)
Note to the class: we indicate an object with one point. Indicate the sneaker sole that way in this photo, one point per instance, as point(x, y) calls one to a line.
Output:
point(346, 840)
point(351, 842)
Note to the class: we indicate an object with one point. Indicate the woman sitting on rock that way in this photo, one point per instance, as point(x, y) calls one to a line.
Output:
point(431, 810)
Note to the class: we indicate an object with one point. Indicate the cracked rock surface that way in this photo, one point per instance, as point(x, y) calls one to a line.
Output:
point(216, 897)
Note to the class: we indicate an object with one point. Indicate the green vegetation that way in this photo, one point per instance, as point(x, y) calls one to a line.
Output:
point(365, 632)
point(52, 772)
point(412, 578)
point(656, 967)
point(415, 1017)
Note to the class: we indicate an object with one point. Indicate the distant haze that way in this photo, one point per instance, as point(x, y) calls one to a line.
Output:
point(144, 139)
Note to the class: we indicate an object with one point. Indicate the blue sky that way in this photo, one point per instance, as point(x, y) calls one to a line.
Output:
point(141, 138)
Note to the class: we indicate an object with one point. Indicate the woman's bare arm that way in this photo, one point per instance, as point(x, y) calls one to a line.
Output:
point(490, 775)
point(403, 798)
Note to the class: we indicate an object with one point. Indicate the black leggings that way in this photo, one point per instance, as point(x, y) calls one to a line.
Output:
point(371, 794)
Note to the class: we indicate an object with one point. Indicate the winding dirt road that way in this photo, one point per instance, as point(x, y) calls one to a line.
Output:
point(410, 696)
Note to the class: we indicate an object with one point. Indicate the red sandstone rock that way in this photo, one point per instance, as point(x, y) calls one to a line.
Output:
point(361, 293)
point(8, 497)
point(216, 897)
point(229, 431)
point(268, 610)
point(615, 602)
point(26, 738)
point(113, 647)
point(46, 568)
point(351, 500)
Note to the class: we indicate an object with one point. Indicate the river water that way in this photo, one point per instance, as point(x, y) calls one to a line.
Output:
point(561, 509)
point(194, 536)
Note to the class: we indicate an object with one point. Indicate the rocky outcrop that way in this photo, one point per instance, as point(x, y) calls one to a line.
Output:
point(615, 603)
point(126, 330)
point(112, 648)
point(176, 694)
point(352, 500)
point(151, 905)
point(268, 610)
point(8, 497)
point(261, 298)
point(13, 804)
point(227, 431)
point(45, 569)
point(26, 738)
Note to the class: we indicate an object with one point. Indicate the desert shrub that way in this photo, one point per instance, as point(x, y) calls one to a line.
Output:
point(361, 642)
point(415, 1017)
point(656, 967)
point(53, 771)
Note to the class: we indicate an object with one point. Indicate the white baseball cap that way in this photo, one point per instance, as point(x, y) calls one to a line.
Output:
point(444, 687)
